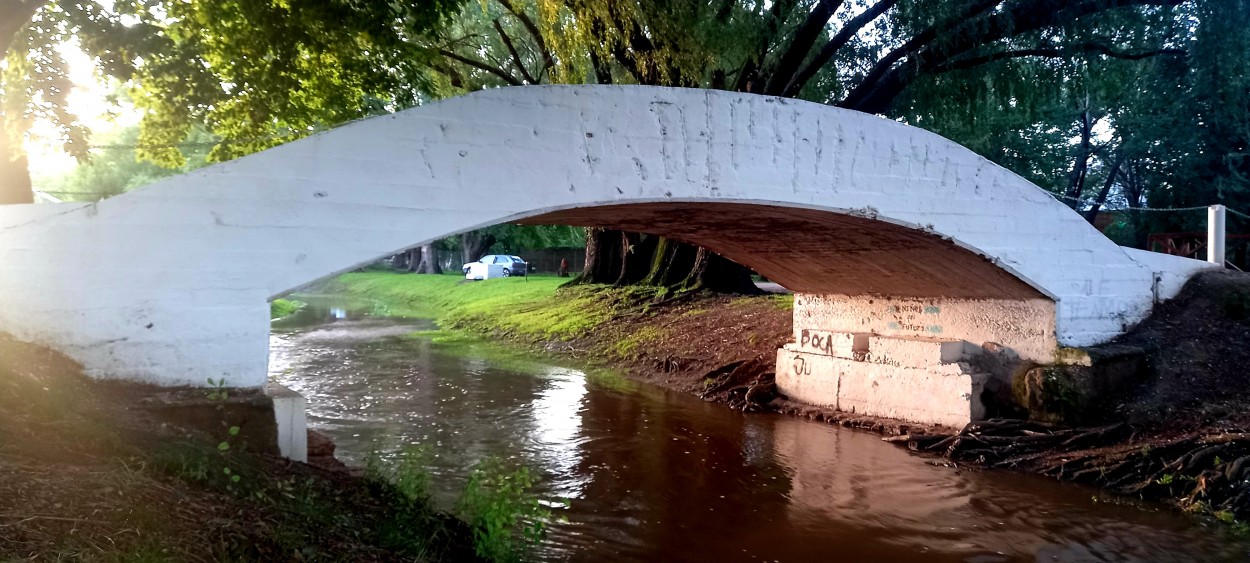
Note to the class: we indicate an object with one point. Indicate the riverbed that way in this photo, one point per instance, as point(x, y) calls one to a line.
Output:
point(636, 473)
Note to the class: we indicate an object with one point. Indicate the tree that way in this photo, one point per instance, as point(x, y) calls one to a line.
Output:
point(113, 167)
point(34, 84)
point(254, 73)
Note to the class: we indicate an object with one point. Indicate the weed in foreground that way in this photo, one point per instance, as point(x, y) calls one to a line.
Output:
point(508, 519)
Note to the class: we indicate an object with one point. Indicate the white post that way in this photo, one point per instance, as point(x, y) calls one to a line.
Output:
point(1215, 235)
point(291, 411)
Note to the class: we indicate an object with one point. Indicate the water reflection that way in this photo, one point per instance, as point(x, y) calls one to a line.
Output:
point(666, 477)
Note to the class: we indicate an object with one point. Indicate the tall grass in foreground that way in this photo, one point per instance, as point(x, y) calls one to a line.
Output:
point(506, 517)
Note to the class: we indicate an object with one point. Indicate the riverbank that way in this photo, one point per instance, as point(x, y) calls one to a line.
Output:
point(279, 308)
point(94, 471)
point(1181, 434)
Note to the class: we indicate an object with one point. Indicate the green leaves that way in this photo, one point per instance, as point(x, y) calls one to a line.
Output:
point(218, 392)
point(507, 517)
point(262, 73)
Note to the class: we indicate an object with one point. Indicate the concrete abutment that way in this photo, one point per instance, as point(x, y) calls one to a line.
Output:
point(926, 360)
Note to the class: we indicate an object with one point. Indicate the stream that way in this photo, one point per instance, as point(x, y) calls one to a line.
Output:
point(652, 475)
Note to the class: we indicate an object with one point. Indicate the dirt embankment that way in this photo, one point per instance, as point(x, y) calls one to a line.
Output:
point(1178, 430)
point(91, 473)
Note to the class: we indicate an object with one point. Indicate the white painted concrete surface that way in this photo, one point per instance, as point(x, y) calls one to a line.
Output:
point(169, 283)
point(19, 214)
point(1025, 326)
point(945, 393)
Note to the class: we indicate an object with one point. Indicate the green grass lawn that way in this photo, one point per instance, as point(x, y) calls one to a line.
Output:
point(533, 307)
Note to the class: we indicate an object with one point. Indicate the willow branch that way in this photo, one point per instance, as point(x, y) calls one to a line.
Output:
point(777, 14)
point(516, 57)
point(481, 66)
point(877, 90)
point(925, 37)
point(806, 36)
point(528, 24)
point(831, 48)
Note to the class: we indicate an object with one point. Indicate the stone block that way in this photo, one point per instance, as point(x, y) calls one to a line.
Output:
point(1086, 388)
point(916, 352)
point(808, 377)
point(948, 394)
point(191, 409)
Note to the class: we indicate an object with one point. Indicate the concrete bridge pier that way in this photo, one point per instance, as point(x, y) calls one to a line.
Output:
point(938, 360)
point(921, 359)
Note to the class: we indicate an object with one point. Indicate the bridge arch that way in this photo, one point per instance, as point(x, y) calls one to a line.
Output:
point(826, 201)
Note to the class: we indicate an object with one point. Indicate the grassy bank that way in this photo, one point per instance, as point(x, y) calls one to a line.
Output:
point(518, 305)
point(527, 308)
point(103, 471)
point(279, 308)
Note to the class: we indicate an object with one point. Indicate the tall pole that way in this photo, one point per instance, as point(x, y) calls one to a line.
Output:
point(1215, 235)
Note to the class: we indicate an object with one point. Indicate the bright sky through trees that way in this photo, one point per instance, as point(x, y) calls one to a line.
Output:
point(90, 102)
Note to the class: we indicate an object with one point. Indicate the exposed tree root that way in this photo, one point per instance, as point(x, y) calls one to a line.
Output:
point(1205, 470)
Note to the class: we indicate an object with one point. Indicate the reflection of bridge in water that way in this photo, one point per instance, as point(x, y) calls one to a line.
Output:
point(866, 218)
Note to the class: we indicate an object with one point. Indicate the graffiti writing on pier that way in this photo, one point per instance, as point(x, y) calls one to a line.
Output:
point(914, 317)
point(801, 367)
point(818, 341)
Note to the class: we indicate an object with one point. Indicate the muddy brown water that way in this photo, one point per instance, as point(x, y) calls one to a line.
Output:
point(651, 475)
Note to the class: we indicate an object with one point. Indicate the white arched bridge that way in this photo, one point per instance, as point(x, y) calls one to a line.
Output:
point(900, 243)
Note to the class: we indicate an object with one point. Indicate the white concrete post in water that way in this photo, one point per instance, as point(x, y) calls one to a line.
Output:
point(290, 409)
point(1215, 235)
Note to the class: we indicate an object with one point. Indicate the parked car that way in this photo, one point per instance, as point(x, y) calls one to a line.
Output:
point(495, 266)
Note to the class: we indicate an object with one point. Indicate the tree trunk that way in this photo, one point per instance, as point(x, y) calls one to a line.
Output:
point(714, 272)
point(603, 256)
point(400, 261)
point(474, 244)
point(1091, 214)
point(1080, 165)
point(636, 252)
point(429, 261)
point(623, 258)
point(14, 171)
point(1134, 193)
point(14, 15)
point(412, 259)
point(671, 263)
